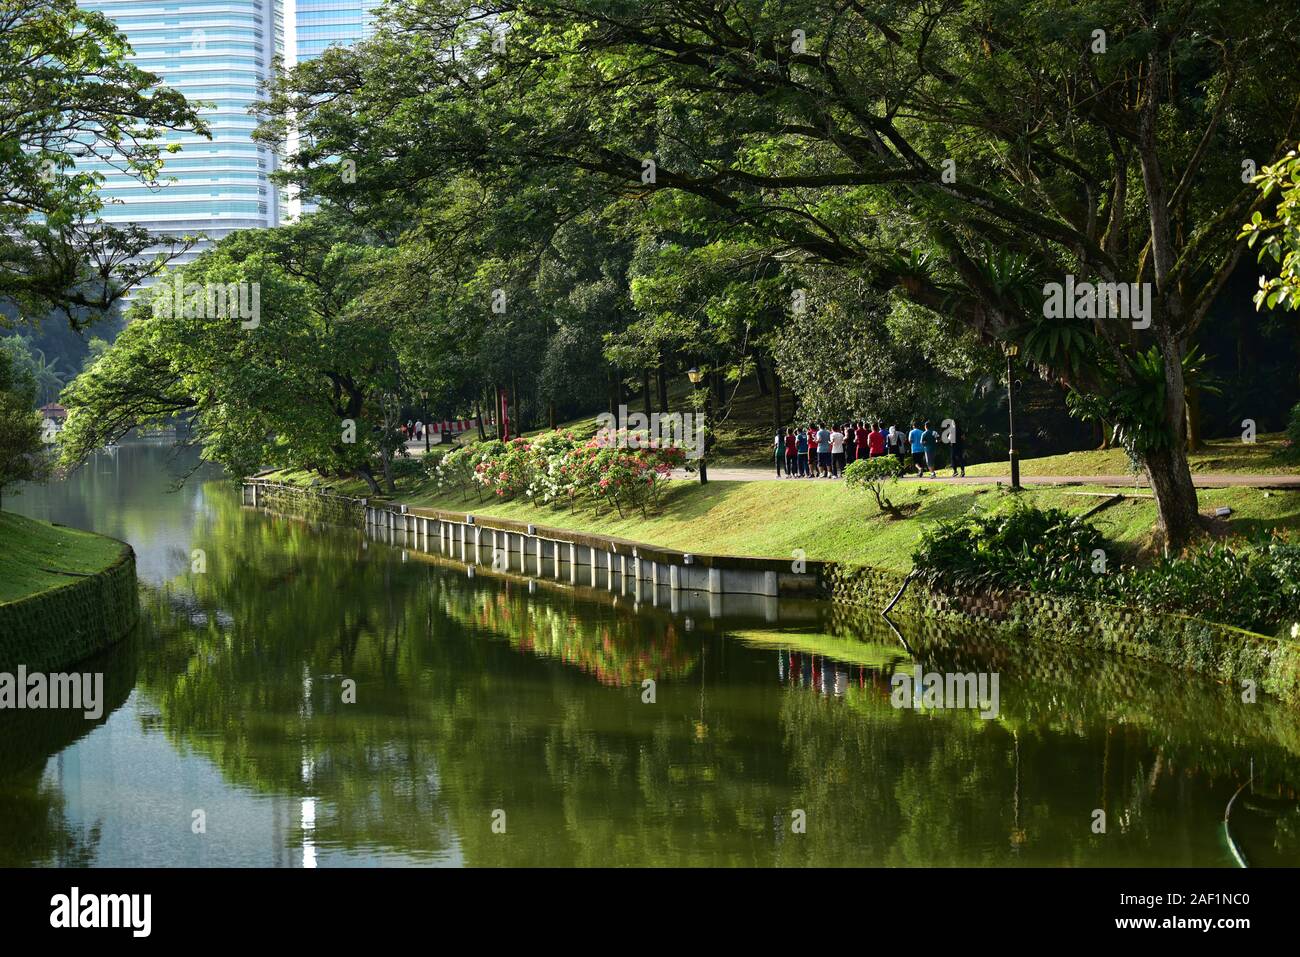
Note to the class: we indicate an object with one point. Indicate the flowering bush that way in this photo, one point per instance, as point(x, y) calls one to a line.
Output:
point(461, 468)
point(557, 469)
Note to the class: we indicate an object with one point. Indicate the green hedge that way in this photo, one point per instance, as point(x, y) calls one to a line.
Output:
point(57, 628)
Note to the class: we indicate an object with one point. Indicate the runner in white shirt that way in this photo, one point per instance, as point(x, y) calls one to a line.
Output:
point(837, 452)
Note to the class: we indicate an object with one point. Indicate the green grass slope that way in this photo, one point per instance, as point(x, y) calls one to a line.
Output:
point(36, 556)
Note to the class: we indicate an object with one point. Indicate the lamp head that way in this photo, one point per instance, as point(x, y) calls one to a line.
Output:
point(695, 375)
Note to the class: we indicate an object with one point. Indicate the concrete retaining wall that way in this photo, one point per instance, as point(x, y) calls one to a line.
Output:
point(505, 545)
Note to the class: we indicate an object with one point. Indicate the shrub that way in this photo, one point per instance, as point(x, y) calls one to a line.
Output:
point(408, 468)
point(1250, 583)
point(1291, 443)
point(557, 470)
point(1026, 548)
point(872, 475)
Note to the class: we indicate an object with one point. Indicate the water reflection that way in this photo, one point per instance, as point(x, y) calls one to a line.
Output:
point(330, 699)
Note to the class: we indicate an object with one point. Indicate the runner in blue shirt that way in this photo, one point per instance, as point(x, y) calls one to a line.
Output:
point(929, 438)
point(917, 438)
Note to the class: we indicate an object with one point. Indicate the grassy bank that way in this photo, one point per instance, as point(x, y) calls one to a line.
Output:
point(828, 521)
point(36, 556)
point(1264, 456)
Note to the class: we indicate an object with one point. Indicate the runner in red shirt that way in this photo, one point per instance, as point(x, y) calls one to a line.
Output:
point(876, 442)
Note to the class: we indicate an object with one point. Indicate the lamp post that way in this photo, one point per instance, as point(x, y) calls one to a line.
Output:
point(1011, 349)
point(696, 377)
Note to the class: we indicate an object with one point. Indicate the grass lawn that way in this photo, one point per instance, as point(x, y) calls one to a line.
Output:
point(1219, 455)
point(828, 522)
point(36, 556)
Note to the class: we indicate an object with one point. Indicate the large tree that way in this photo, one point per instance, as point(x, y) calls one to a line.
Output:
point(963, 153)
point(310, 379)
point(69, 93)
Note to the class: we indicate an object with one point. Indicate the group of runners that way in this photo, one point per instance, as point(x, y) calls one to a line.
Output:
point(825, 451)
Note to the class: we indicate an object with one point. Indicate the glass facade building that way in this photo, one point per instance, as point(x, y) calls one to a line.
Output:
point(216, 51)
point(314, 25)
point(318, 24)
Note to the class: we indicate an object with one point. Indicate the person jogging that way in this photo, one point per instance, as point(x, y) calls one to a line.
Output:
point(916, 439)
point(958, 444)
point(930, 445)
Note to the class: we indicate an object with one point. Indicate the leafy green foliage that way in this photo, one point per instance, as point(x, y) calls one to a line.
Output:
point(67, 89)
point(22, 453)
point(310, 386)
point(1023, 547)
point(558, 470)
point(1276, 238)
point(1135, 406)
point(1249, 583)
point(872, 475)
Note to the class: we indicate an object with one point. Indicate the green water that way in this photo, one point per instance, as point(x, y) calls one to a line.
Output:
point(485, 700)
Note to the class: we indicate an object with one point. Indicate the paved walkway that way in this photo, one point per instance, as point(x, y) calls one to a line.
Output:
point(1199, 479)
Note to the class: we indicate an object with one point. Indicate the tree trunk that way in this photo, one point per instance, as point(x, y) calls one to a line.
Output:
point(1193, 419)
point(519, 406)
point(369, 476)
point(1176, 506)
point(550, 414)
point(759, 378)
point(778, 417)
point(645, 393)
point(663, 387)
point(478, 416)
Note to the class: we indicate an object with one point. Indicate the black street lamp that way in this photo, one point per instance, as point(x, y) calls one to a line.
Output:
point(1012, 350)
point(696, 377)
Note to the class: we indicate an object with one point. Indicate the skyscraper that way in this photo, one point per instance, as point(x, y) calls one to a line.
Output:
point(217, 51)
point(318, 24)
point(312, 26)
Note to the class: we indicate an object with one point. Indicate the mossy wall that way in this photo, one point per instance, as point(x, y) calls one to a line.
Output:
point(311, 503)
point(1222, 652)
point(59, 627)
